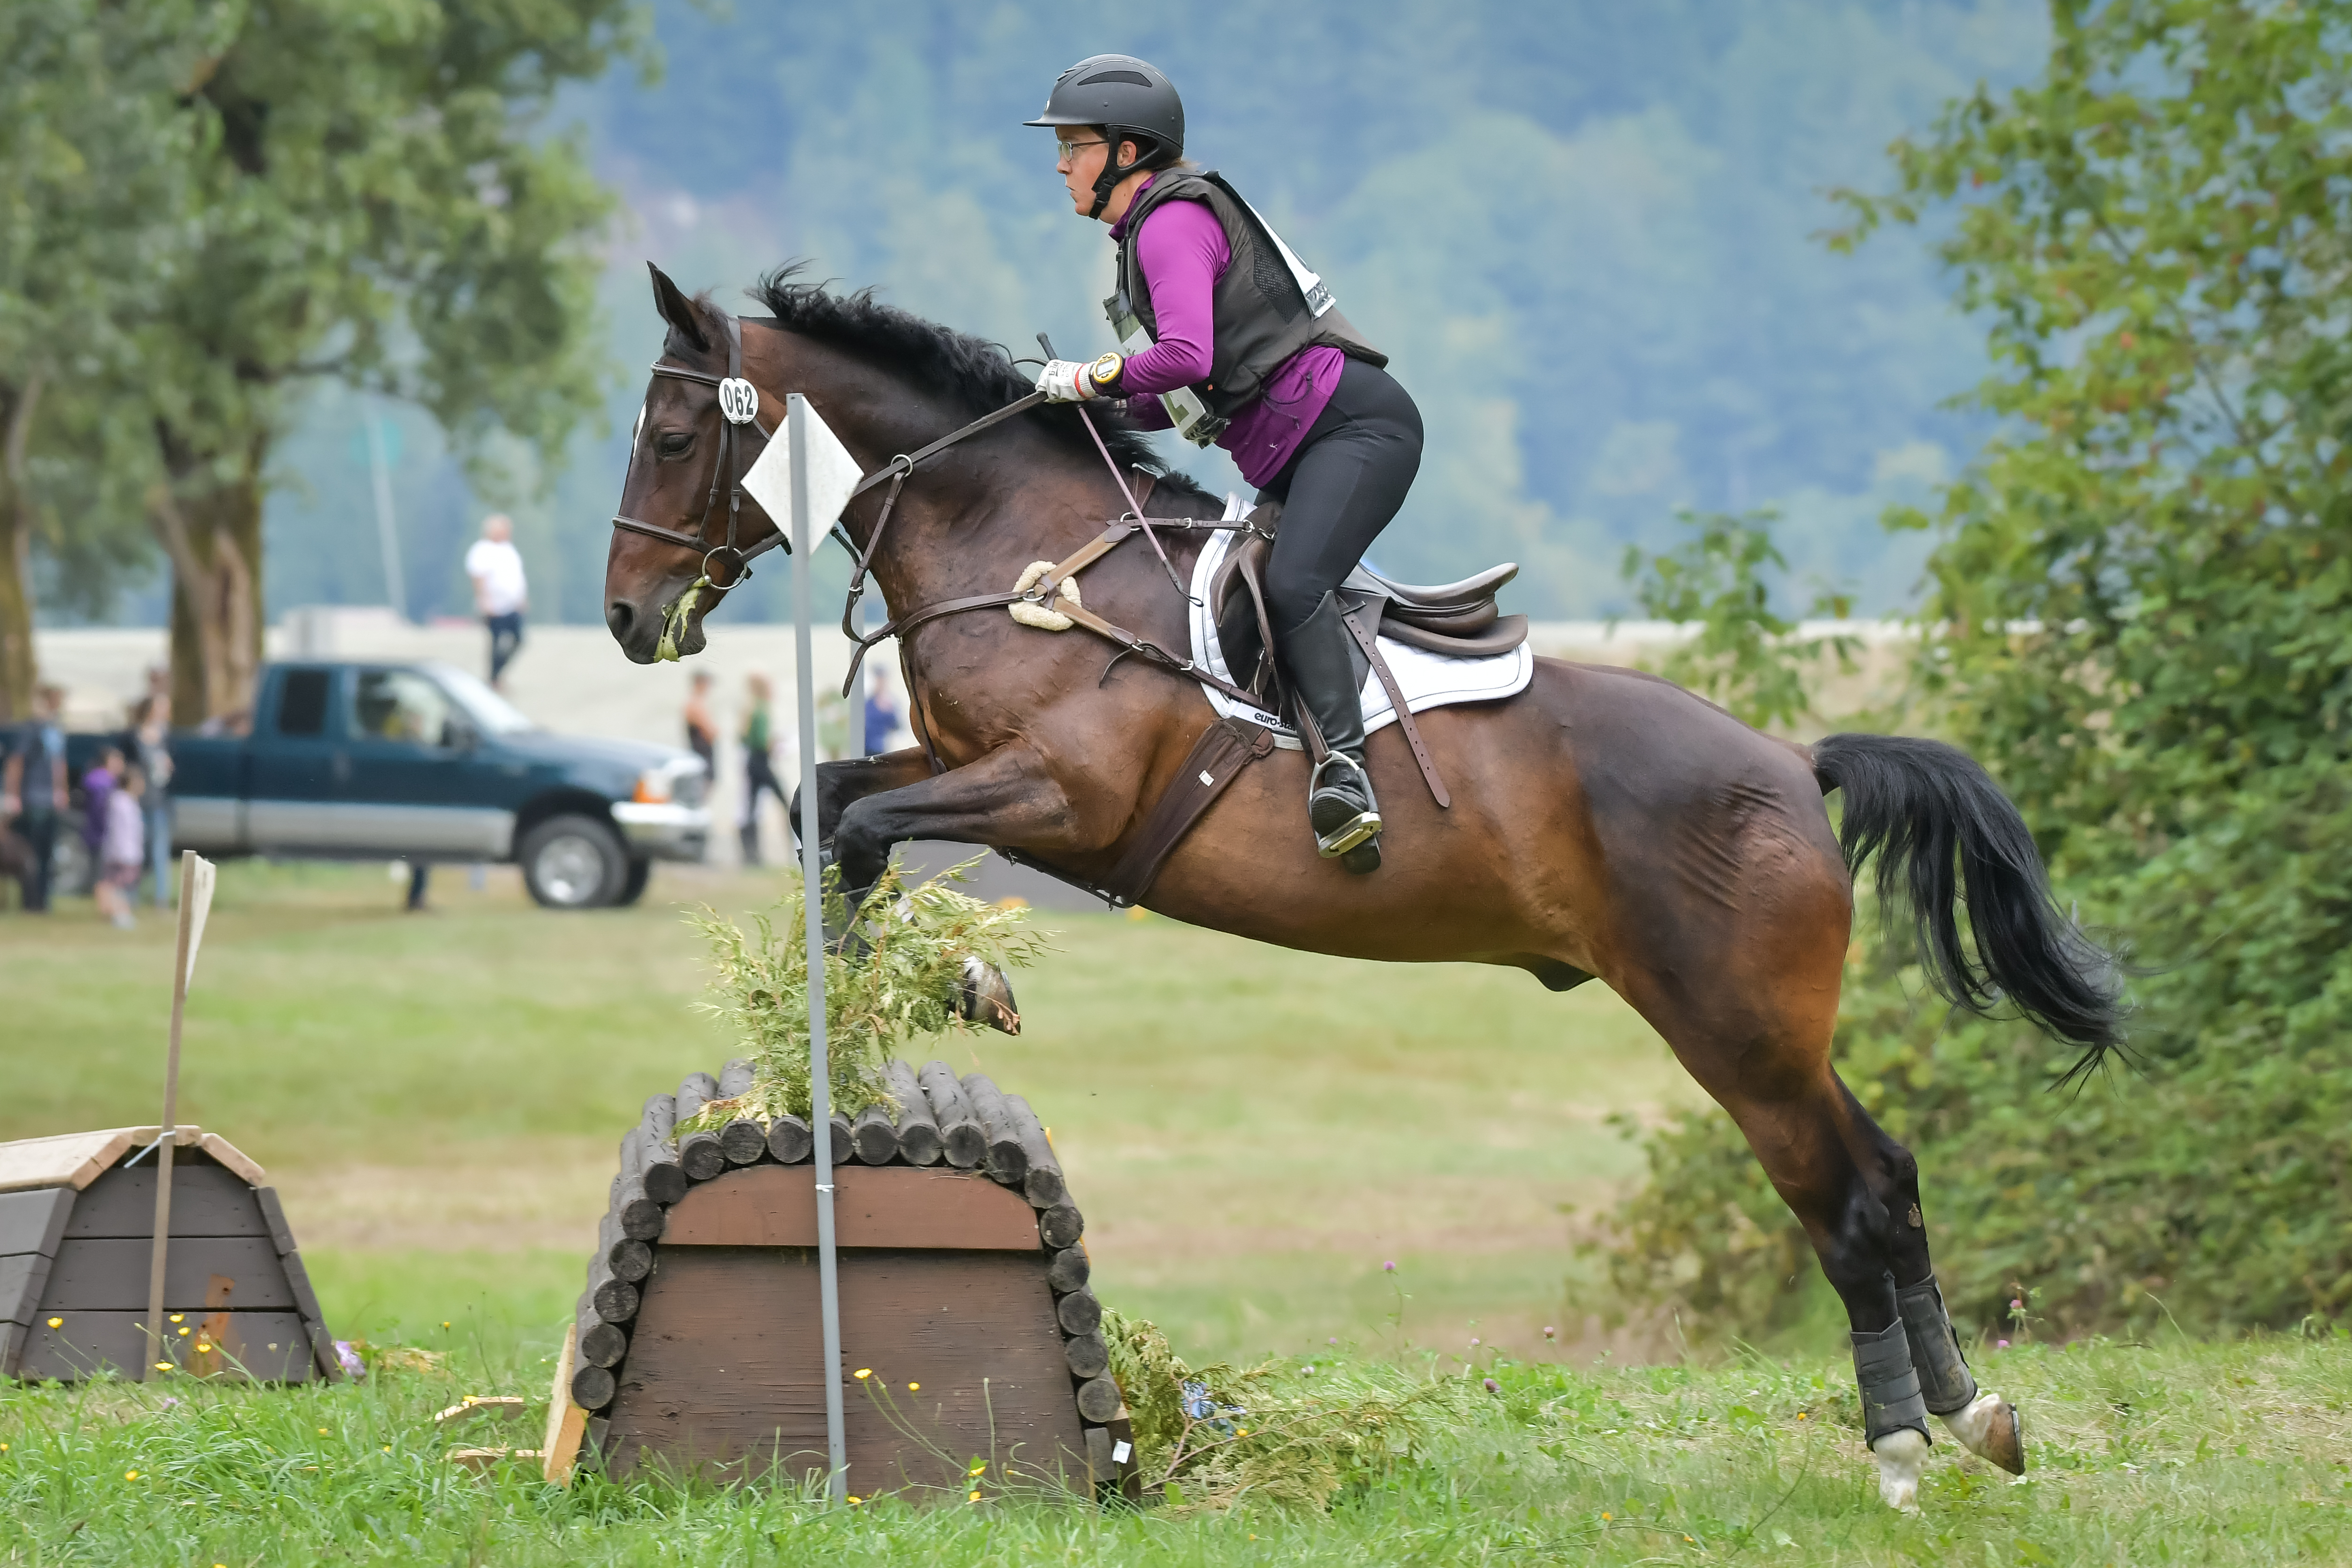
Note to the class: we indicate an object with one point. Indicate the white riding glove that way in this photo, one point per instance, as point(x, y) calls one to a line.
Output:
point(1064, 381)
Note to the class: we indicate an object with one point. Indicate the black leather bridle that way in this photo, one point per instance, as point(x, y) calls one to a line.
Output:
point(739, 404)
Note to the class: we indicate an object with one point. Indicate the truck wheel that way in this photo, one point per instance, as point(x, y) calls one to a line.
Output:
point(633, 886)
point(573, 863)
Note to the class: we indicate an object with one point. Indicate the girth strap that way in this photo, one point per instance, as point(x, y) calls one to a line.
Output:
point(1224, 749)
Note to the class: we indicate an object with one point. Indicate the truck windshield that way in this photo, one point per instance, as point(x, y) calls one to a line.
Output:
point(492, 712)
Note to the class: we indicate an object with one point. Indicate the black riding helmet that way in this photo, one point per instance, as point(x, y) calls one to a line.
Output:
point(1133, 101)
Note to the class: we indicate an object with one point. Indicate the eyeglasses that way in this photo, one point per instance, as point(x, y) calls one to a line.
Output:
point(1071, 148)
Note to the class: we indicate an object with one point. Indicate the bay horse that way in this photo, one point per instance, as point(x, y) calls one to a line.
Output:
point(1604, 823)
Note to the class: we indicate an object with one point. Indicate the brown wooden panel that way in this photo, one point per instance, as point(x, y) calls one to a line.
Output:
point(271, 1346)
point(724, 1367)
point(206, 1200)
point(32, 1221)
point(112, 1274)
point(873, 1206)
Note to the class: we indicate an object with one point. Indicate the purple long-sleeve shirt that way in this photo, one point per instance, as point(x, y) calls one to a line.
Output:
point(1183, 251)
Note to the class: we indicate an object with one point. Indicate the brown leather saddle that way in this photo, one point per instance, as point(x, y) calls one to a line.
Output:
point(1457, 620)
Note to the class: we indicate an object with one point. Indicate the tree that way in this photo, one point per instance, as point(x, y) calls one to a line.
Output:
point(88, 197)
point(2139, 616)
point(374, 196)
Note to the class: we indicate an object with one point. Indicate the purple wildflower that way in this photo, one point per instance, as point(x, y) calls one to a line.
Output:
point(1390, 1267)
point(1493, 1388)
point(350, 1358)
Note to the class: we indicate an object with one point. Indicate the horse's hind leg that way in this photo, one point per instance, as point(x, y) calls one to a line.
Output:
point(1749, 1004)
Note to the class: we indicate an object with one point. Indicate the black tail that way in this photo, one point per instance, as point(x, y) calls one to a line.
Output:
point(1925, 808)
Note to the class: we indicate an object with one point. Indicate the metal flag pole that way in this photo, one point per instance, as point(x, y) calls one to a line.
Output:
point(796, 417)
point(195, 903)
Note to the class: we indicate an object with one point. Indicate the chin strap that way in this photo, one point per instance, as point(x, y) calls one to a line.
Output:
point(1112, 174)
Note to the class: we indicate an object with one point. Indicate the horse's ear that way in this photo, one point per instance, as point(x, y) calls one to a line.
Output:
point(677, 309)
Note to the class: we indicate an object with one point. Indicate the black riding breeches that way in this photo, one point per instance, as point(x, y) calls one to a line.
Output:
point(1340, 490)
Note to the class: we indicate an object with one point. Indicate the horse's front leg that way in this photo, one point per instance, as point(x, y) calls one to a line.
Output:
point(841, 785)
point(1006, 796)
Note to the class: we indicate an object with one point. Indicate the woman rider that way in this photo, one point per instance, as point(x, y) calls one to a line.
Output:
point(1242, 346)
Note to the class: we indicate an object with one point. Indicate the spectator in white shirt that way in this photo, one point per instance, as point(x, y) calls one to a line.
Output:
point(500, 594)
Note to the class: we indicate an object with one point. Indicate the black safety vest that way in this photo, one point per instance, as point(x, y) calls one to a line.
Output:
point(1260, 315)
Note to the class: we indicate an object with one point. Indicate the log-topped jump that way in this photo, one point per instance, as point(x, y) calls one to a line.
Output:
point(961, 1271)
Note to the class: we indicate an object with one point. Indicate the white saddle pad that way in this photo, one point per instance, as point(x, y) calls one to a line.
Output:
point(1427, 680)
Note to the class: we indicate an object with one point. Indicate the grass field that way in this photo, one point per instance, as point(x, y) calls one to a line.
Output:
point(1251, 1132)
point(1252, 1135)
point(2219, 1456)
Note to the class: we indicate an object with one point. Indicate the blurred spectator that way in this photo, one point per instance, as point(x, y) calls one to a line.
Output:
point(420, 877)
point(881, 716)
point(97, 788)
point(500, 594)
point(701, 729)
point(121, 850)
point(151, 754)
point(759, 765)
point(32, 790)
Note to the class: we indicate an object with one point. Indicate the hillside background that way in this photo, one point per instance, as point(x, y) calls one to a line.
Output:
point(1585, 233)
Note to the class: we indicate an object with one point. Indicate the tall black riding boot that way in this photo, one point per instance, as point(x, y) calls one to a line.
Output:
point(1327, 672)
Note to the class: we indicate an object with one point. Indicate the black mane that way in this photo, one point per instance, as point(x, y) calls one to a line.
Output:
point(976, 376)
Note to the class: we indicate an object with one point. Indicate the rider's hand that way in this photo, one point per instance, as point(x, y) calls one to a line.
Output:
point(1064, 381)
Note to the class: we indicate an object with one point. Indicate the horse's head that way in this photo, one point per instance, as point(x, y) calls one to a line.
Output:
point(657, 586)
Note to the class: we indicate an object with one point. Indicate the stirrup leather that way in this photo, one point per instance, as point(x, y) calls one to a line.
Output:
point(1363, 826)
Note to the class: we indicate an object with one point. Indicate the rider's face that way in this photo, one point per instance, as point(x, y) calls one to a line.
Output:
point(1081, 149)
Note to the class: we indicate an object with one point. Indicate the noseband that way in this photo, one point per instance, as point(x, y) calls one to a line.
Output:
point(739, 404)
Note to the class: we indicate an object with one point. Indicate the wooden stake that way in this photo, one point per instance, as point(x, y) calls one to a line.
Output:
point(195, 903)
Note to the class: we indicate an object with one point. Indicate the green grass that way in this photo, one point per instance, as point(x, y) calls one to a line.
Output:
point(2213, 1455)
point(1251, 1132)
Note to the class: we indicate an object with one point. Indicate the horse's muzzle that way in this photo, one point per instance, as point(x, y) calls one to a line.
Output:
point(639, 635)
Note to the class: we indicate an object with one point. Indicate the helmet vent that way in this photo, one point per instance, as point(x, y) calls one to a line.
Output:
point(1136, 78)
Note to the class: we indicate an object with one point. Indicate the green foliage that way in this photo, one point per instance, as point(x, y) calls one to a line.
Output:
point(1742, 655)
point(1286, 1434)
point(2138, 616)
point(900, 989)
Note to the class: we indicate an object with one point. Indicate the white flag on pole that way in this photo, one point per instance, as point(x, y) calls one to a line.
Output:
point(196, 877)
point(832, 474)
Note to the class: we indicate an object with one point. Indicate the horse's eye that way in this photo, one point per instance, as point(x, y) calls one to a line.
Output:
point(673, 443)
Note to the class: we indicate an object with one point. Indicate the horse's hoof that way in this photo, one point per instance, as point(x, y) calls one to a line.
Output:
point(1987, 1427)
point(1902, 1457)
point(986, 997)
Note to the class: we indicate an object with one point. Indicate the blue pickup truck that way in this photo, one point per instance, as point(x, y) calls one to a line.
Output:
point(423, 761)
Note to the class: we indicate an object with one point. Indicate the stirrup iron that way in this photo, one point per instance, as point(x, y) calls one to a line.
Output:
point(1358, 828)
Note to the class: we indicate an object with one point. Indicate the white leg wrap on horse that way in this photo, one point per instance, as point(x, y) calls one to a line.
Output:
point(1987, 1427)
point(1901, 1458)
